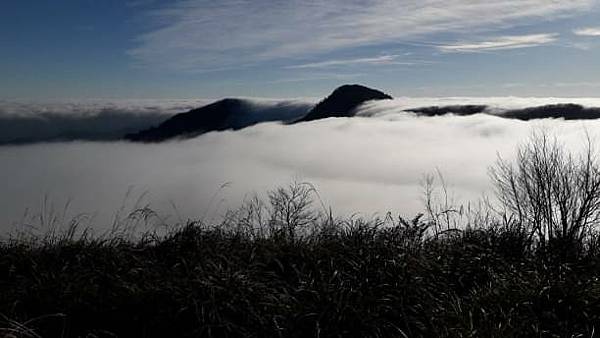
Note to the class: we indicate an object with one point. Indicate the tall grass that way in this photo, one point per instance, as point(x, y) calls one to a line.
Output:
point(287, 268)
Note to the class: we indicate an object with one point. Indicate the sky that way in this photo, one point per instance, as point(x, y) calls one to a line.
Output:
point(297, 48)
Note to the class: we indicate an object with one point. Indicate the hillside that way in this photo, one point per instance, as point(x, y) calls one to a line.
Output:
point(343, 101)
point(218, 116)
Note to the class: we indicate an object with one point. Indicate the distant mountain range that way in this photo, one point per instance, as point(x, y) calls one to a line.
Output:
point(155, 125)
point(461, 110)
point(342, 102)
point(567, 111)
point(236, 114)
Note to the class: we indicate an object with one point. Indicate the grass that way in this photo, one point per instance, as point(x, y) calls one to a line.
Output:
point(331, 278)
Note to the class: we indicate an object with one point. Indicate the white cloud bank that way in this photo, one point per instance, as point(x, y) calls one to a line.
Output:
point(28, 122)
point(87, 107)
point(359, 164)
point(205, 35)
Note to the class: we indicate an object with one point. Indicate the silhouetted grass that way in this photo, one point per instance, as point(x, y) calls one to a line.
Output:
point(377, 278)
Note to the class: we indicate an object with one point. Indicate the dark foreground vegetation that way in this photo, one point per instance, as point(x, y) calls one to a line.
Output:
point(278, 268)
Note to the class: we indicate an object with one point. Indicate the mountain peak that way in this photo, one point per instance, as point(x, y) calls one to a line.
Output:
point(356, 88)
point(343, 101)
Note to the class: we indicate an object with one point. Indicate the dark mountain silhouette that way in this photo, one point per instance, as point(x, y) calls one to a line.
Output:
point(343, 102)
point(236, 114)
point(218, 116)
point(463, 110)
point(568, 111)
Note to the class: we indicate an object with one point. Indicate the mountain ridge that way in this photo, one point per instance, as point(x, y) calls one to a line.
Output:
point(224, 114)
point(234, 114)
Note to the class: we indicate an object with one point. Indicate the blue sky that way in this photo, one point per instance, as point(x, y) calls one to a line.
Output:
point(297, 48)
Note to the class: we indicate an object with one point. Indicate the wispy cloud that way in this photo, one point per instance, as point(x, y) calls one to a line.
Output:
point(379, 60)
point(503, 42)
point(202, 34)
point(589, 31)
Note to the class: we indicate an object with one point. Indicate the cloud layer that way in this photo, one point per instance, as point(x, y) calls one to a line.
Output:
point(205, 35)
point(358, 164)
point(27, 122)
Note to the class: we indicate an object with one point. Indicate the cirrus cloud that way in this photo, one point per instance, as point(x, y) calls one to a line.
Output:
point(503, 42)
point(378, 60)
point(589, 31)
point(203, 35)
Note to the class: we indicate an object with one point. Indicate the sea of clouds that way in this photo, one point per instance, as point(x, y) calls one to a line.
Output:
point(34, 121)
point(23, 122)
point(368, 164)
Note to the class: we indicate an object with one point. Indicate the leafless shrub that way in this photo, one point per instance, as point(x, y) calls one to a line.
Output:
point(249, 219)
point(291, 208)
point(286, 211)
point(551, 192)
